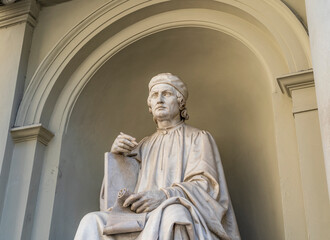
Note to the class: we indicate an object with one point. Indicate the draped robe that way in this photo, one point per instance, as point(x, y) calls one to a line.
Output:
point(185, 163)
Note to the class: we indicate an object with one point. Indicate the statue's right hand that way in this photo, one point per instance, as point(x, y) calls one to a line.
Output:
point(123, 144)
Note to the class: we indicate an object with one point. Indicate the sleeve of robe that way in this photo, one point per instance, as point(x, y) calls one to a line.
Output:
point(204, 185)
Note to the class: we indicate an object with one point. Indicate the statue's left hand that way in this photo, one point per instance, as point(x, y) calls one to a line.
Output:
point(145, 201)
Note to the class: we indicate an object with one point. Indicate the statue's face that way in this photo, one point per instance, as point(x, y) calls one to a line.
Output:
point(163, 102)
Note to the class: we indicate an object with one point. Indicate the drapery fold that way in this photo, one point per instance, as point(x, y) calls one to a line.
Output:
point(184, 162)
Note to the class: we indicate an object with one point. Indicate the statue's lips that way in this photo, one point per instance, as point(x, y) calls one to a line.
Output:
point(160, 108)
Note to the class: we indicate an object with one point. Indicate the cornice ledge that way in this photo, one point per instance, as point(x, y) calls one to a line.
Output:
point(31, 132)
point(295, 81)
point(19, 12)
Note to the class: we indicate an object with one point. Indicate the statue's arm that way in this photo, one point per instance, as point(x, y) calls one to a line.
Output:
point(123, 144)
point(197, 182)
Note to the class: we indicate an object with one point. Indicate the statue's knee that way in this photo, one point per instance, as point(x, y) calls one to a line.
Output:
point(176, 210)
point(89, 218)
point(176, 207)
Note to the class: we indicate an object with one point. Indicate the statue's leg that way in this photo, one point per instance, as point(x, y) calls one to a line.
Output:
point(91, 227)
point(180, 232)
point(176, 223)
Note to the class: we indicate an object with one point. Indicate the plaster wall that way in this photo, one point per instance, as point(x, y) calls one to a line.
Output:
point(53, 23)
point(318, 21)
point(230, 96)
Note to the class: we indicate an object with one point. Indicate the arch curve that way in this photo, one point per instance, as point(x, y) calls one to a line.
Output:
point(268, 28)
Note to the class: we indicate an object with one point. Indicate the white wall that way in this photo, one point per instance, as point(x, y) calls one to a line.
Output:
point(53, 23)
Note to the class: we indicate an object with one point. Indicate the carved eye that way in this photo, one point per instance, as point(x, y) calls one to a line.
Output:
point(154, 95)
point(167, 94)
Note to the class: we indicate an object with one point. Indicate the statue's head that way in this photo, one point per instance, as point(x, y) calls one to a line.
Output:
point(167, 97)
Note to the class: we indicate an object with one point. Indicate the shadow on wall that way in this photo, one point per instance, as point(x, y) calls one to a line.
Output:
point(230, 96)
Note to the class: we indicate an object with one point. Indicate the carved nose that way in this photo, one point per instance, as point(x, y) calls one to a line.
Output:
point(160, 99)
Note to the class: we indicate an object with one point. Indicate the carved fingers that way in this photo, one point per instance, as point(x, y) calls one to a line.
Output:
point(145, 201)
point(139, 204)
point(144, 208)
point(132, 199)
point(123, 144)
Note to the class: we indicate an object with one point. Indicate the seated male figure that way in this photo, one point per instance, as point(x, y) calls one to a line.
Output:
point(181, 185)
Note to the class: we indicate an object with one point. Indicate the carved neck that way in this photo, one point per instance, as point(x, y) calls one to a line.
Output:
point(167, 124)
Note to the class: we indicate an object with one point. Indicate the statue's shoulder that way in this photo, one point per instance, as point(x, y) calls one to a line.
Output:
point(190, 130)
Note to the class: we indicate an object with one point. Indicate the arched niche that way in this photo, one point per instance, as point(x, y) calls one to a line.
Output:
point(265, 34)
point(229, 96)
point(269, 29)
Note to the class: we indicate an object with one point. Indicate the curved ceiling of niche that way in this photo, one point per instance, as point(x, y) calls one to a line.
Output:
point(203, 58)
point(108, 49)
point(103, 24)
point(91, 66)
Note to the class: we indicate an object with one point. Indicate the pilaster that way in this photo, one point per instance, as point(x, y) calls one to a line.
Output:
point(23, 182)
point(300, 87)
point(17, 22)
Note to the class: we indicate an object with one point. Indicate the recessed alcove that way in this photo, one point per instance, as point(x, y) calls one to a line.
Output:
point(230, 96)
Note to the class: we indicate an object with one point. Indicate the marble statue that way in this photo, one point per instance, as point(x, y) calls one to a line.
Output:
point(180, 190)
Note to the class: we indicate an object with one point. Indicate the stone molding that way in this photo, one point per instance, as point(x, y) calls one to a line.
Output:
point(19, 12)
point(295, 81)
point(31, 132)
